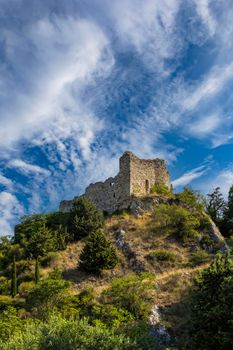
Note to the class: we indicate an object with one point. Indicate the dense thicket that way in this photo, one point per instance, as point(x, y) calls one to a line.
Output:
point(211, 325)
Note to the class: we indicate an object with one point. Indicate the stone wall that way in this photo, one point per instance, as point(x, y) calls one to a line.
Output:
point(136, 177)
point(144, 173)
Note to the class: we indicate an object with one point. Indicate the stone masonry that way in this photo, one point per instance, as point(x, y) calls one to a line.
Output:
point(135, 179)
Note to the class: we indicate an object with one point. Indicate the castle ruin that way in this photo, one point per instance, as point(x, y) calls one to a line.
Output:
point(135, 179)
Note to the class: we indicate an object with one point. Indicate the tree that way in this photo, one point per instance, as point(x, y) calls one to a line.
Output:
point(98, 253)
point(227, 225)
point(14, 279)
point(211, 325)
point(85, 218)
point(41, 242)
point(215, 205)
point(37, 270)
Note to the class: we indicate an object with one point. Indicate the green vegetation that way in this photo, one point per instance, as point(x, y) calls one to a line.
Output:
point(37, 271)
point(132, 293)
point(13, 279)
point(162, 256)
point(84, 218)
point(211, 325)
point(161, 189)
point(199, 257)
point(176, 220)
point(98, 253)
point(48, 301)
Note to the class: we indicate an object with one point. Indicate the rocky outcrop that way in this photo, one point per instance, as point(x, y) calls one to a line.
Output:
point(216, 235)
point(134, 259)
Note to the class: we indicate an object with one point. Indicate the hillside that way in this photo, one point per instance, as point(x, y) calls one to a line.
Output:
point(144, 295)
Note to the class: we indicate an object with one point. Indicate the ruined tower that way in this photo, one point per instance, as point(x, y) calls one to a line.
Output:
point(135, 178)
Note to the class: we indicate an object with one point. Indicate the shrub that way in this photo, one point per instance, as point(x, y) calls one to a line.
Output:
point(85, 218)
point(190, 199)
point(9, 323)
point(25, 288)
point(199, 257)
point(161, 256)
point(174, 219)
point(5, 285)
point(46, 295)
point(160, 189)
point(211, 325)
point(131, 293)
point(98, 253)
point(62, 334)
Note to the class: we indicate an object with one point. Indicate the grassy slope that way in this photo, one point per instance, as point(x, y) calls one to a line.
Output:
point(172, 279)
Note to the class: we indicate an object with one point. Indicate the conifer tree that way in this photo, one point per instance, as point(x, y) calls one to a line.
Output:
point(13, 279)
point(98, 253)
point(37, 271)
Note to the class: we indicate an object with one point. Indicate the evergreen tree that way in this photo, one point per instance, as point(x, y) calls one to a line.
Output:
point(216, 205)
point(85, 218)
point(37, 270)
point(13, 279)
point(227, 226)
point(98, 253)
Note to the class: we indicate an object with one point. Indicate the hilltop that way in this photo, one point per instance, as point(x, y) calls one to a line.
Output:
point(132, 272)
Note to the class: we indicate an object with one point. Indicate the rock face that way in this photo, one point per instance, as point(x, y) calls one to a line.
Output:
point(135, 178)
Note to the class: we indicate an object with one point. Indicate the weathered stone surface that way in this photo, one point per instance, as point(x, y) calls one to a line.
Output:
point(135, 178)
point(135, 260)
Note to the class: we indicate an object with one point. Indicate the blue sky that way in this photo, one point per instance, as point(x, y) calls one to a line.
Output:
point(83, 81)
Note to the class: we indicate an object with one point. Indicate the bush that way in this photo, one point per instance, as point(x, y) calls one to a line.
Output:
point(98, 253)
point(174, 219)
point(49, 259)
point(161, 256)
point(131, 293)
point(5, 285)
point(160, 189)
point(190, 199)
point(62, 334)
point(85, 218)
point(25, 288)
point(211, 325)
point(46, 296)
point(199, 257)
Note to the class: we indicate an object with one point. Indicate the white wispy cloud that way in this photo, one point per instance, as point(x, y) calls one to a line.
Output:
point(26, 167)
point(189, 176)
point(5, 181)
point(10, 211)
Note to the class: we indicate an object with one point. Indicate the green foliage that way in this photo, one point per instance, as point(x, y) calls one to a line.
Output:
point(199, 257)
point(160, 189)
point(13, 279)
point(40, 242)
point(37, 270)
point(46, 295)
point(62, 334)
point(49, 259)
point(9, 323)
point(98, 253)
point(226, 225)
point(215, 205)
point(5, 285)
point(177, 220)
point(190, 199)
point(85, 218)
point(111, 316)
point(164, 256)
point(211, 325)
point(131, 293)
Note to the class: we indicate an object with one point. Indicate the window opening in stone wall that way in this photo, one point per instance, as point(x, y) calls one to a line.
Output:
point(114, 195)
point(112, 183)
point(147, 186)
